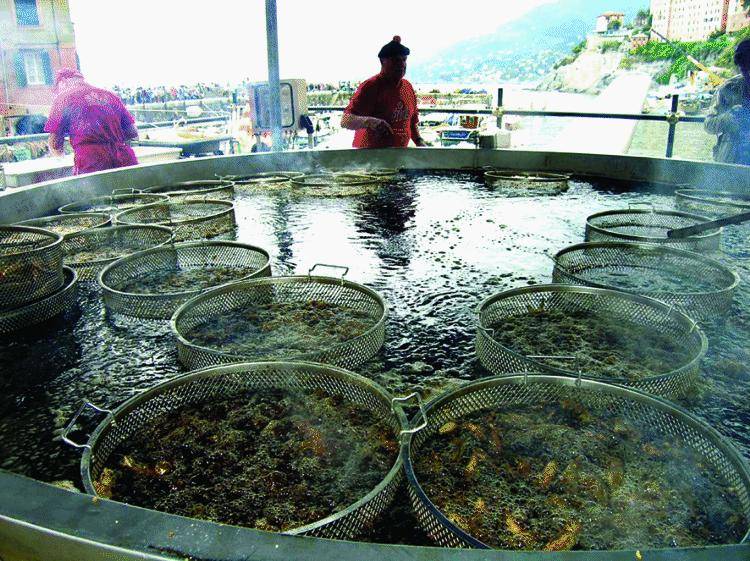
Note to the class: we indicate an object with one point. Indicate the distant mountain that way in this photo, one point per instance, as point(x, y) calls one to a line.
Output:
point(523, 50)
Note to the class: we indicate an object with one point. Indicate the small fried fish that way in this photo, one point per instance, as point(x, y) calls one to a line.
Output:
point(567, 539)
point(548, 474)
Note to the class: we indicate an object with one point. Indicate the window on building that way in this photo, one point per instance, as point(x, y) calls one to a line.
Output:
point(33, 68)
point(26, 12)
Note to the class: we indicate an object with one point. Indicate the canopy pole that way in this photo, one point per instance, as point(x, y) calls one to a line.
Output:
point(274, 87)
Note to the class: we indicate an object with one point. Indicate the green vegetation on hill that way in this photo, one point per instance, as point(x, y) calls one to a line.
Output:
point(608, 46)
point(604, 47)
point(578, 49)
point(717, 51)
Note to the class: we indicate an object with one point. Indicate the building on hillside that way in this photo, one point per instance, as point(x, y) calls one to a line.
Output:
point(36, 38)
point(608, 21)
point(689, 20)
point(738, 17)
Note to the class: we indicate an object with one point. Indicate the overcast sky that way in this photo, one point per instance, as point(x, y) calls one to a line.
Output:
point(176, 41)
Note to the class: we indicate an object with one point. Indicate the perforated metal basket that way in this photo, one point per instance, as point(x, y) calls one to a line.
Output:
point(650, 226)
point(325, 179)
point(106, 245)
point(30, 265)
point(174, 258)
point(203, 386)
point(377, 174)
point(712, 203)
point(44, 308)
point(642, 410)
point(210, 189)
point(190, 220)
point(612, 305)
point(343, 184)
point(112, 204)
point(265, 177)
point(527, 181)
point(265, 181)
point(67, 224)
point(247, 295)
point(706, 286)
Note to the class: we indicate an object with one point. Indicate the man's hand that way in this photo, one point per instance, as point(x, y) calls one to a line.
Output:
point(421, 142)
point(379, 126)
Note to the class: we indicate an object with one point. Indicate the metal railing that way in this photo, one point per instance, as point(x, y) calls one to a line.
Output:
point(672, 117)
point(143, 126)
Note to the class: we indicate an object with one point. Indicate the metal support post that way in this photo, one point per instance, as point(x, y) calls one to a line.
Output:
point(274, 87)
point(500, 108)
point(672, 119)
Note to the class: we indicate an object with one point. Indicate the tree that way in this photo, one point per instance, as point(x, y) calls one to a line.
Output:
point(746, 5)
point(645, 18)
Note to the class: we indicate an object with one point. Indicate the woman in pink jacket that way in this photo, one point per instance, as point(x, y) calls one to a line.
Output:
point(97, 122)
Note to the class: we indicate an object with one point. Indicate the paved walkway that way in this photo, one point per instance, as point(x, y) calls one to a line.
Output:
point(606, 136)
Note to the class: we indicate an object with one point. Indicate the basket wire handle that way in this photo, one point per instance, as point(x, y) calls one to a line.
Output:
point(72, 423)
point(668, 315)
point(553, 258)
point(345, 269)
point(171, 224)
point(422, 412)
point(197, 198)
point(487, 331)
point(231, 178)
point(556, 357)
point(131, 191)
point(649, 205)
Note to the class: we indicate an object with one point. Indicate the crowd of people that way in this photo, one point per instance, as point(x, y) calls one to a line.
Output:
point(160, 94)
point(341, 86)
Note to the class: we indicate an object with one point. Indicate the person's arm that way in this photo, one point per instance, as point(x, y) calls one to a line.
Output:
point(56, 144)
point(354, 122)
point(414, 121)
point(131, 132)
point(722, 117)
point(357, 113)
point(414, 126)
point(127, 122)
point(58, 126)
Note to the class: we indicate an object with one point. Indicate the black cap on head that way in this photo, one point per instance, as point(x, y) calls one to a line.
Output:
point(742, 54)
point(394, 48)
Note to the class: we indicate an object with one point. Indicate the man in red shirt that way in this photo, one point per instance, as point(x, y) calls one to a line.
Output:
point(383, 110)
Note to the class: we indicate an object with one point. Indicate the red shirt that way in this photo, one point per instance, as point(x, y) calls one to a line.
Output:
point(394, 103)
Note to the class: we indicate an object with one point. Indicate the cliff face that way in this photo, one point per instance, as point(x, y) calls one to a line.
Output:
point(589, 73)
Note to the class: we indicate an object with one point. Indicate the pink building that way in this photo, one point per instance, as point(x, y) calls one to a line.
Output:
point(36, 38)
point(689, 20)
